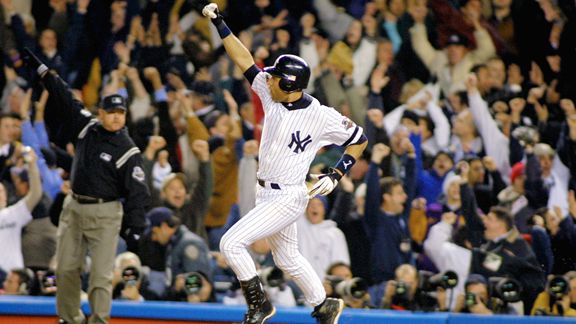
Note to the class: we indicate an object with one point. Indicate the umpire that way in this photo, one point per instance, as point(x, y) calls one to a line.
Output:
point(106, 169)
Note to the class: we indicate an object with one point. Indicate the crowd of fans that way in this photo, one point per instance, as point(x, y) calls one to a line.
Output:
point(464, 201)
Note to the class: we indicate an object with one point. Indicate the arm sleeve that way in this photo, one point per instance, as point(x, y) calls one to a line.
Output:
point(251, 73)
point(495, 142)
point(373, 196)
point(485, 46)
point(167, 130)
point(439, 234)
point(535, 192)
point(136, 192)
point(203, 190)
point(63, 112)
point(422, 46)
point(261, 88)
point(40, 130)
point(469, 211)
point(392, 120)
point(442, 126)
point(342, 207)
point(19, 31)
point(340, 130)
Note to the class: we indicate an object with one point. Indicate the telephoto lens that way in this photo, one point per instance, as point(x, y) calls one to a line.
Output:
point(193, 283)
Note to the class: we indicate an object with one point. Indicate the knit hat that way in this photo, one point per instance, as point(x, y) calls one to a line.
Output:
point(517, 170)
point(450, 178)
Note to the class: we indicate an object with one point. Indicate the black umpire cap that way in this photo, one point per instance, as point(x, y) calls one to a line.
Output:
point(114, 101)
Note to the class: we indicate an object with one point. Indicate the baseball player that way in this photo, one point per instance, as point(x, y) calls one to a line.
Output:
point(296, 126)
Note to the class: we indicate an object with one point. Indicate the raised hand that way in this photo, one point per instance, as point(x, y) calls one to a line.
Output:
point(379, 152)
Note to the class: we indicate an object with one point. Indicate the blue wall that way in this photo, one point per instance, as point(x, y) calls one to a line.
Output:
point(10, 305)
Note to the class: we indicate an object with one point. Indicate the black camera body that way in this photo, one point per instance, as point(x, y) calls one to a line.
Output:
point(130, 276)
point(430, 282)
point(193, 283)
point(47, 280)
point(470, 299)
point(272, 277)
point(507, 290)
point(355, 287)
point(558, 287)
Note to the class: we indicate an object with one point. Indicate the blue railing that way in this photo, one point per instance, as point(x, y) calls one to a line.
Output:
point(45, 306)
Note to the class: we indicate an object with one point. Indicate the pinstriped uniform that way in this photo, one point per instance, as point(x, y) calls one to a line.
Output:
point(290, 140)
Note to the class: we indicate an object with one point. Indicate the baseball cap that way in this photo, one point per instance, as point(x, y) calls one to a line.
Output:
point(475, 278)
point(203, 88)
point(158, 216)
point(457, 39)
point(114, 101)
point(517, 170)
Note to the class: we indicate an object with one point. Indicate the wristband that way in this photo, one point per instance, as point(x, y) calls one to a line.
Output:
point(345, 163)
point(221, 26)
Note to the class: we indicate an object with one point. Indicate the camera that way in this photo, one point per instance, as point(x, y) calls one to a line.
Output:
point(272, 277)
point(525, 135)
point(470, 299)
point(558, 287)
point(130, 276)
point(430, 282)
point(193, 283)
point(47, 283)
point(507, 290)
point(355, 287)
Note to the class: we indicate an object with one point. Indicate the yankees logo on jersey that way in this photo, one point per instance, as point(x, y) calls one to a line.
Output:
point(299, 144)
point(293, 134)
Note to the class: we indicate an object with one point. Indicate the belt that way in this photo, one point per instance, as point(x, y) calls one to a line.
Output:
point(81, 199)
point(270, 184)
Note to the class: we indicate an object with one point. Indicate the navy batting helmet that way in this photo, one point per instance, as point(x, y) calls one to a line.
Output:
point(293, 72)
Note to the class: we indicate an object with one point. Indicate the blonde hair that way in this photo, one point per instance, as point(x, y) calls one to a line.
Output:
point(409, 89)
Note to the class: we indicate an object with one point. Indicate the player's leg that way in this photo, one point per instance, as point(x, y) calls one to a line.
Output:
point(273, 212)
point(284, 246)
point(287, 257)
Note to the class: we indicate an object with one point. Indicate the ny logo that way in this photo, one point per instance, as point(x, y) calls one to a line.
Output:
point(300, 144)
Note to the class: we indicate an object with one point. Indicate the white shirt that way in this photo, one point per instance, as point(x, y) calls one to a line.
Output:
point(291, 138)
point(12, 219)
point(322, 244)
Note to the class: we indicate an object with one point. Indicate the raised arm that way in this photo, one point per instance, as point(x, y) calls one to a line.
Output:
point(235, 49)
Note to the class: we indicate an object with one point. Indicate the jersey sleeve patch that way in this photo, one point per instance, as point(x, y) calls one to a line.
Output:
point(138, 174)
point(347, 123)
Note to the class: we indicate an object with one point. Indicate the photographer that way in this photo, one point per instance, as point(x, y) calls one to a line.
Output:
point(559, 299)
point(506, 254)
point(405, 293)
point(276, 286)
point(192, 287)
point(129, 281)
point(340, 283)
point(477, 299)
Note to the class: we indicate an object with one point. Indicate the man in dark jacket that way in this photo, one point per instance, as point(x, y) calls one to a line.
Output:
point(506, 254)
point(107, 168)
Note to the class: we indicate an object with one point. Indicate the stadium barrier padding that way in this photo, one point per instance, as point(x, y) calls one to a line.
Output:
point(40, 310)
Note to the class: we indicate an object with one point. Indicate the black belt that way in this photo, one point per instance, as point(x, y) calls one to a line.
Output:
point(81, 199)
point(271, 184)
